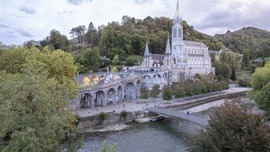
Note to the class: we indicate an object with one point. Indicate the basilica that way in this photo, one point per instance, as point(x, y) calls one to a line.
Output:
point(183, 58)
point(181, 61)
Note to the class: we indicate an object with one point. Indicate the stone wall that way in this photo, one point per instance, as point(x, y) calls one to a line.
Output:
point(90, 121)
point(207, 100)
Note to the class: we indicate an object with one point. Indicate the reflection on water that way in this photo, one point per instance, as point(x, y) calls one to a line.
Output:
point(170, 135)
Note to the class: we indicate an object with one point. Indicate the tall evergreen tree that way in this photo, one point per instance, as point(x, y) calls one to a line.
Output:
point(144, 93)
point(155, 91)
point(167, 93)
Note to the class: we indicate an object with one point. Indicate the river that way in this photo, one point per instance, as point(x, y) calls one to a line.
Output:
point(170, 135)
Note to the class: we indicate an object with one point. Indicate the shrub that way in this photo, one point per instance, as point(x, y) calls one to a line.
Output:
point(101, 117)
point(123, 114)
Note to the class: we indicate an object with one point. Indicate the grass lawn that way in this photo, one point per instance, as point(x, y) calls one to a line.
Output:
point(136, 57)
point(244, 74)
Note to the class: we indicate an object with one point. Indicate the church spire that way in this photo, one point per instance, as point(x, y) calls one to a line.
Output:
point(146, 52)
point(168, 47)
point(177, 17)
point(177, 12)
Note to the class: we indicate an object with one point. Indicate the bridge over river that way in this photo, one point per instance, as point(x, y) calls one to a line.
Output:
point(178, 114)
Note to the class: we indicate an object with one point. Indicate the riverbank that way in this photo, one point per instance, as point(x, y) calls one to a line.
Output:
point(135, 109)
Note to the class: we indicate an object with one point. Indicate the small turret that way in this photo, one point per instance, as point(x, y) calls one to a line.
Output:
point(168, 48)
point(146, 52)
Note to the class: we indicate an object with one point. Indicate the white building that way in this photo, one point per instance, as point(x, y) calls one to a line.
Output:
point(183, 58)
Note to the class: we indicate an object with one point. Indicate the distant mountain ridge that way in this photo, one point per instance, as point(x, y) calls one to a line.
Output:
point(246, 38)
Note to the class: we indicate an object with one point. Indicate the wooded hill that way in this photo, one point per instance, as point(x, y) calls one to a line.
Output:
point(246, 38)
point(130, 36)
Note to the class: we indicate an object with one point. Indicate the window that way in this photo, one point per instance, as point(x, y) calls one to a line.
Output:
point(179, 33)
point(174, 33)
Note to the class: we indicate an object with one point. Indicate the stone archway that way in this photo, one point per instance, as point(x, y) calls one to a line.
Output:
point(130, 88)
point(146, 80)
point(101, 98)
point(86, 100)
point(102, 77)
point(157, 79)
point(86, 80)
point(119, 94)
point(94, 79)
point(111, 96)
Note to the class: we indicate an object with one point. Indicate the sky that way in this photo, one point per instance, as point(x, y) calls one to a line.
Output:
point(24, 20)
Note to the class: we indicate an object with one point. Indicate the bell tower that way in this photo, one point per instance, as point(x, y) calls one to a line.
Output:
point(177, 38)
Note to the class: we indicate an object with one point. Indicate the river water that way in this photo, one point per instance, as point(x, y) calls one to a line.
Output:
point(169, 135)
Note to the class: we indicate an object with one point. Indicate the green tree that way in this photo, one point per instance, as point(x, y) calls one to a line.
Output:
point(114, 69)
point(108, 148)
point(130, 62)
point(34, 101)
point(260, 83)
point(144, 93)
point(115, 60)
point(155, 91)
point(167, 93)
point(101, 117)
point(245, 59)
point(91, 59)
point(57, 41)
point(233, 76)
point(233, 127)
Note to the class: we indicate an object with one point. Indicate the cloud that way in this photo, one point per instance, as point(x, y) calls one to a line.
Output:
point(65, 12)
point(142, 1)
point(117, 8)
point(13, 31)
point(28, 10)
point(3, 25)
point(234, 15)
point(166, 3)
point(77, 2)
point(22, 32)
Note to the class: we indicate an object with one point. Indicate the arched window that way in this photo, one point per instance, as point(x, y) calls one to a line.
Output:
point(174, 33)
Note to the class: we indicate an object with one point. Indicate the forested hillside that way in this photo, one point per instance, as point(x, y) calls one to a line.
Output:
point(250, 38)
point(130, 36)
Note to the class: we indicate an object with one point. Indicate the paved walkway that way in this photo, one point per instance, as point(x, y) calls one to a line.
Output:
point(141, 104)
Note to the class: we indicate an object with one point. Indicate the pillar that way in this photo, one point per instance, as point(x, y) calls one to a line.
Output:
point(104, 100)
point(92, 101)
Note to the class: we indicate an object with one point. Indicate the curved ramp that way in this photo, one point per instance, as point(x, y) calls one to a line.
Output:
point(178, 114)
